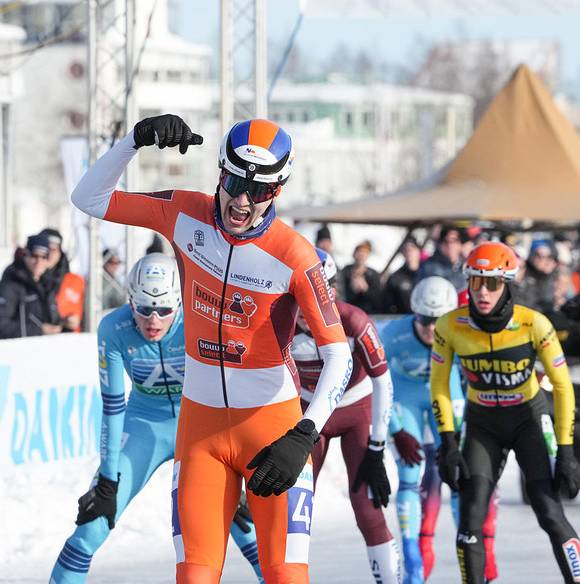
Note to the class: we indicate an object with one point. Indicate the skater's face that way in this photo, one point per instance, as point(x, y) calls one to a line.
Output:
point(425, 328)
point(240, 213)
point(486, 293)
point(153, 328)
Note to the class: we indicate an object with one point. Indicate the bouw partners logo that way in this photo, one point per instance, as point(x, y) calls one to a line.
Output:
point(237, 310)
point(198, 238)
point(232, 352)
point(572, 552)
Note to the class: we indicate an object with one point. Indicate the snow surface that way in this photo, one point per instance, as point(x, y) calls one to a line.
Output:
point(38, 508)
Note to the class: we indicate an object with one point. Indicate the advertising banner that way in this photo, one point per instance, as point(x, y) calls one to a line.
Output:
point(50, 403)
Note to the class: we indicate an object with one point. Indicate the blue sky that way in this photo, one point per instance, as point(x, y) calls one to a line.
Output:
point(396, 39)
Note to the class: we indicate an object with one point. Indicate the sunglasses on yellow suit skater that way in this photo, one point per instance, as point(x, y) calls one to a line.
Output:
point(492, 283)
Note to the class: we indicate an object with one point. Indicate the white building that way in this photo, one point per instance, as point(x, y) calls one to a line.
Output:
point(11, 38)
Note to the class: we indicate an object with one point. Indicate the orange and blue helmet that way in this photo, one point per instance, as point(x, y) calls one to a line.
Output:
point(257, 150)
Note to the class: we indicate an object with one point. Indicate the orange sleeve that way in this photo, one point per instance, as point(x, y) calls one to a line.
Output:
point(314, 297)
point(155, 210)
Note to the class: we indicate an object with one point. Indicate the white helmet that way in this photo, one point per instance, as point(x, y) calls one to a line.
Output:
point(154, 281)
point(257, 150)
point(433, 297)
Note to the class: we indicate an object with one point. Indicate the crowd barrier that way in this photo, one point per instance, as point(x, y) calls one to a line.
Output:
point(50, 403)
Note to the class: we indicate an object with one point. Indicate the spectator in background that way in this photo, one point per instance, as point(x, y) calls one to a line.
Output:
point(68, 288)
point(538, 287)
point(396, 296)
point(113, 291)
point(447, 261)
point(156, 245)
point(361, 284)
point(27, 307)
point(324, 242)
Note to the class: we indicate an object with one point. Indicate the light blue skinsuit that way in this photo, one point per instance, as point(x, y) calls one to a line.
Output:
point(138, 437)
point(409, 361)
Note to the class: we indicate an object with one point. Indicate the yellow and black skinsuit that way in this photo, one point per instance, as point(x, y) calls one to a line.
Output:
point(505, 410)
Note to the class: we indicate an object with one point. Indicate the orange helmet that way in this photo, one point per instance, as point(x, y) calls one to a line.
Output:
point(492, 258)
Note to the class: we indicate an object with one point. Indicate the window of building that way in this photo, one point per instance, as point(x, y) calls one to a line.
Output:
point(348, 119)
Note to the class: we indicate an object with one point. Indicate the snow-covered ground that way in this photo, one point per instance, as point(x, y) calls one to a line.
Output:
point(38, 508)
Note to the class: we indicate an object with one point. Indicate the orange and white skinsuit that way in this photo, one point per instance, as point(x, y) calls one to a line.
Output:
point(240, 298)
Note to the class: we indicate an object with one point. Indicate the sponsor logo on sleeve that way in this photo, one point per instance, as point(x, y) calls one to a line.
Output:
point(324, 297)
point(372, 346)
point(335, 394)
point(559, 361)
point(439, 339)
point(238, 309)
point(572, 553)
point(548, 338)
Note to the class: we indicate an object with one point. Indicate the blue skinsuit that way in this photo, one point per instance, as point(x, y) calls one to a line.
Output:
point(409, 362)
point(137, 437)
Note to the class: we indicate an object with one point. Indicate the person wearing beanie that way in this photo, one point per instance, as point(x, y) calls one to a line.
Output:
point(396, 295)
point(68, 288)
point(27, 306)
point(447, 261)
point(538, 286)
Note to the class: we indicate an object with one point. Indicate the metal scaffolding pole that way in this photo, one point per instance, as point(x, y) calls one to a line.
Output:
point(243, 75)
point(110, 76)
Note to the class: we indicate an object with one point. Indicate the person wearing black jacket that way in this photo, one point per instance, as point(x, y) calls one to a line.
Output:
point(27, 307)
point(396, 297)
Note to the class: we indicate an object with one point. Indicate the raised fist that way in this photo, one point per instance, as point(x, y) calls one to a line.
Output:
point(165, 130)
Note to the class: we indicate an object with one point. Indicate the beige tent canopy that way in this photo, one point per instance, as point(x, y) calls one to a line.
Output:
point(521, 163)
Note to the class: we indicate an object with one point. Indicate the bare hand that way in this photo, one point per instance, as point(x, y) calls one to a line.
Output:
point(51, 329)
point(72, 322)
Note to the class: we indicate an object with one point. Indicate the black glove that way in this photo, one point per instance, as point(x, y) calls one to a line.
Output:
point(167, 130)
point(279, 465)
point(567, 475)
point(100, 500)
point(373, 473)
point(408, 447)
point(452, 465)
point(243, 515)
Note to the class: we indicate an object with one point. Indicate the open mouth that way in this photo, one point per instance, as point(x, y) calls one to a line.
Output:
point(153, 332)
point(238, 217)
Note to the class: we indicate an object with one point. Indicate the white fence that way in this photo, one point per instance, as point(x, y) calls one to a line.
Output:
point(50, 403)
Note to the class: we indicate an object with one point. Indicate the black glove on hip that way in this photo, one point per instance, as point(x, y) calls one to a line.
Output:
point(567, 475)
point(165, 130)
point(243, 517)
point(279, 465)
point(452, 465)
point(373, 473)
point(100, 500)
point(408, 447)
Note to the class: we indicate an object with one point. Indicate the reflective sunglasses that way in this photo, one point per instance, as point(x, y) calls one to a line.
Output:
point(492, 283)
point(147, 311)
point(425, 320)
point(258, 192)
